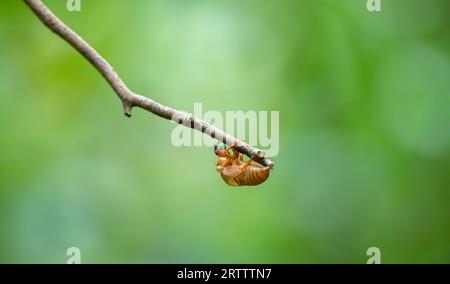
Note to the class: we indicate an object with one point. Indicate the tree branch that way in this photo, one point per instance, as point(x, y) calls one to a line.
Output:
point(129, 98)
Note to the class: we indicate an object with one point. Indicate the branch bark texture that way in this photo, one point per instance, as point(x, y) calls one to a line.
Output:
point(129, 98)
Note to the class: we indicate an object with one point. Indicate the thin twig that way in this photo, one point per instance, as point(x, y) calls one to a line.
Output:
point(129, 98)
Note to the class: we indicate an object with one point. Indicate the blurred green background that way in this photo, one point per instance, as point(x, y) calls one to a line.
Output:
point(364, 133)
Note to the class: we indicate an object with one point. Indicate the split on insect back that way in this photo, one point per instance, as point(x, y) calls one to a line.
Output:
point(237, 172)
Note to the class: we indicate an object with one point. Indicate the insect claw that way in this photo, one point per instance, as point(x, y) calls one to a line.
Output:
point(232, 146)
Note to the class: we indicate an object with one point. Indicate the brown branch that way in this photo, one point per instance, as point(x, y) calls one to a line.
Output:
point(129, 98)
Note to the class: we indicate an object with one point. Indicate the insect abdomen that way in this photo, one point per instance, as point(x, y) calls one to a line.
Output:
point(253, 175)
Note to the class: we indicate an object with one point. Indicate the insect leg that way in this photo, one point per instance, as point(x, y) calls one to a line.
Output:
point(245, 164)
point(235, 151)
point(232, 147)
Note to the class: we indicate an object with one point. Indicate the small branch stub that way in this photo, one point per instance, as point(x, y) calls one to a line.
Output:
point(127, 106)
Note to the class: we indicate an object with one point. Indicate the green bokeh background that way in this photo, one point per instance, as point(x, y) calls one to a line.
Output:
point(364, 133)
